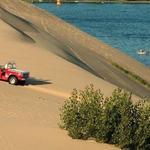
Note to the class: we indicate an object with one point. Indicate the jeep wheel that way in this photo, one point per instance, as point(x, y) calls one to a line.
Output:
point(13, 80)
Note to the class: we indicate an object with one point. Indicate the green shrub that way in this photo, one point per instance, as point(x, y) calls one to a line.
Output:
point(80, 113)
point(142, 134)
point(124, 133)
point(87, 114)
point(113, 113)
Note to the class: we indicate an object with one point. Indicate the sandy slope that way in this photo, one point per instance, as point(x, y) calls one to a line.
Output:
point(45, 66)
point(71, 35)
point(29, 114)
point(77, 47)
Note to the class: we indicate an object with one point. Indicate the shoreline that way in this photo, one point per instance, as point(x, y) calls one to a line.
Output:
point(100, 2)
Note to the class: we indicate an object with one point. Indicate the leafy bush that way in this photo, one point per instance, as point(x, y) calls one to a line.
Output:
point(142, 134)
point(87, 114)
point(80, 114)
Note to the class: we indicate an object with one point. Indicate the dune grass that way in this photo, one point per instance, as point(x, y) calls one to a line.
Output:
point(133, 75)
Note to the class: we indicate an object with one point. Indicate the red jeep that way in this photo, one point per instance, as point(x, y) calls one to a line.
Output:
point(9, 73)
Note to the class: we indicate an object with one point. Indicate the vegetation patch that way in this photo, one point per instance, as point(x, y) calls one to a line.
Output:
point(116, 120)
point(134, 76)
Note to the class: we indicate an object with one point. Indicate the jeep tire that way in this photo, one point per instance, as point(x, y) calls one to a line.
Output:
point(13, 80)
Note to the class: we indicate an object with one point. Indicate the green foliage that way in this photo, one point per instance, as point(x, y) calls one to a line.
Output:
point(80, 113)
point(143, 132)
point(87, 114)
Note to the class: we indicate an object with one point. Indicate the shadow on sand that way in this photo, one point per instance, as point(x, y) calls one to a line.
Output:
point(34, 81)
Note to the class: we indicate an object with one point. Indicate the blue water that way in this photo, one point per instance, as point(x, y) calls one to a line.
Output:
point(123, 26)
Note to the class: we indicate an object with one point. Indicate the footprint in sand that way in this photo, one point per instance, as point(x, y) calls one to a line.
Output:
point(4, 144)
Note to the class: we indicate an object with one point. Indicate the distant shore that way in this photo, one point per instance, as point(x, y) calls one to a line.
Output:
point(98, 2)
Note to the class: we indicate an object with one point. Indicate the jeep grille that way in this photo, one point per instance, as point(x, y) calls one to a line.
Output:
point(25, 75)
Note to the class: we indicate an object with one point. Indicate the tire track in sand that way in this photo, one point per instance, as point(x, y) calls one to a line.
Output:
point(49, 91)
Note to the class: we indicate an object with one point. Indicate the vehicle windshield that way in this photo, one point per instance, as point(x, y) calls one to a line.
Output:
point(11, 65)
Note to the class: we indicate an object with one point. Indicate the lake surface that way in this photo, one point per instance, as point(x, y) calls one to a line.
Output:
point(123, 26)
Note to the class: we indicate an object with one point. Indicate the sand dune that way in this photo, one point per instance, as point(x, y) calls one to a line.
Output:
point(45, 67)
point(70, 49)
point(30, 114)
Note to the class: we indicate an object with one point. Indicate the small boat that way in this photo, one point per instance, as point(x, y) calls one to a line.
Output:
point(142, 52)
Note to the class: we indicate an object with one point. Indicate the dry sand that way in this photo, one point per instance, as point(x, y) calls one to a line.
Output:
point(73, 45)
point(30, 114)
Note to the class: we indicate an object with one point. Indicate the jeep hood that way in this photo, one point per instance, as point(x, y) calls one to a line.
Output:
point(20, 71)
